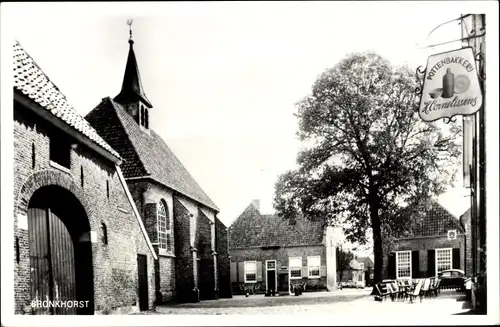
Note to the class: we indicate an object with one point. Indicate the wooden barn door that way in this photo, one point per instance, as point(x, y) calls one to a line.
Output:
point(52, 260)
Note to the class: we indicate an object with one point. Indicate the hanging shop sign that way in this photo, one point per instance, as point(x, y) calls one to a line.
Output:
point(451, 86)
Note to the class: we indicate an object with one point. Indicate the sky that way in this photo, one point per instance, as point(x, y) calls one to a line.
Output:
point(224, 78)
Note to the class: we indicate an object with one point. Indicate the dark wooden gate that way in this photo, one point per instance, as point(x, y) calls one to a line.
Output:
point(52, 261)
point(283, 286)
point(142, 267)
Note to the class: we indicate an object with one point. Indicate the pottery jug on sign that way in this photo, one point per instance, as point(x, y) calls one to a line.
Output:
point(448, 84)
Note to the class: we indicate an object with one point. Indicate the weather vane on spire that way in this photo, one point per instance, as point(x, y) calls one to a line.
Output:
point(129, 23)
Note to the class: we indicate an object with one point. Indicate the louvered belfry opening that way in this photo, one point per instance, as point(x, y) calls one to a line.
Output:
point(60, 251)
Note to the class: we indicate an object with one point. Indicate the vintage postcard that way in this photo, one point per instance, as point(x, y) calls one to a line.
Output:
point(249, 163)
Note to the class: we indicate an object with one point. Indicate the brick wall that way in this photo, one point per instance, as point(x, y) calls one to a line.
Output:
point(224, 280)
point(422, 245)
point(281, 255)
point(430, 233)
point(203, 243)
point(465, 220)
point(147, 195)
point(193, 237)
point(184, 277)
point(115, 264)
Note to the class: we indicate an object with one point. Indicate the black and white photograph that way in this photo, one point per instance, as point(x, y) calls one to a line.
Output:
point(249, 163)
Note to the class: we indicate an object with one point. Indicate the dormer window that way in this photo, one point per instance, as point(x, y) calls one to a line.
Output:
point(143, 118)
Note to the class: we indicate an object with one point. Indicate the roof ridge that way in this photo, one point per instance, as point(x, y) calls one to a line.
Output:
point(183, 182)
point(116, 106)
point(42, 90)
point(446, 210)
point(241, 214)
point(44, 74)
point(180, 162)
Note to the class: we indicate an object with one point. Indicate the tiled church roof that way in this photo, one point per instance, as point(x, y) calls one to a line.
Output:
point(252, 229)
point(32, 81)
point(145, 154)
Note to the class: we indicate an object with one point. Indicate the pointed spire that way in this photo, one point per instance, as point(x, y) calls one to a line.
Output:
point(132, 85)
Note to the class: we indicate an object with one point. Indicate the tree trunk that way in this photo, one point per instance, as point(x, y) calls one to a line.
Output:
point(377, 244)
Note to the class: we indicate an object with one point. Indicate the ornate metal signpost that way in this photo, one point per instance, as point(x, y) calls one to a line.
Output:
point(453, 85)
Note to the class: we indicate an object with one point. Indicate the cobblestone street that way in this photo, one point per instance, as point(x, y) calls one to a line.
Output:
point(259, 304)
point(342, 303)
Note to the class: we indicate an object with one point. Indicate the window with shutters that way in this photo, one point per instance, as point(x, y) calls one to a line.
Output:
point(403, 264)
point(295, 267)
point(250, 271)
point(443, 259)
point(313, 265)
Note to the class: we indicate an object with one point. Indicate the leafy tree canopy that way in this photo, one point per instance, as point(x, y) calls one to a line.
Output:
point(371, 162)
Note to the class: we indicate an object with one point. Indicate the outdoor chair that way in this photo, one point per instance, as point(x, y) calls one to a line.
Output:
point(256, 288)
point(413, 293)
point(396, 289)
point(304, 284)
point(403, 286)
point(435, 289)
point(408, 286)
point(425, 288)
point(431, 286)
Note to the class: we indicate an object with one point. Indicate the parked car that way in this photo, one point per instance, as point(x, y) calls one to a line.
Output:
point(452, 279)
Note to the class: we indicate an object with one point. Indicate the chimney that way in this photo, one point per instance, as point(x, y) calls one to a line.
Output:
point(256, 204)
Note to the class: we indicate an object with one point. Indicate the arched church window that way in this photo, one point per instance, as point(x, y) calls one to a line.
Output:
point(146, 118)
point(161, 215)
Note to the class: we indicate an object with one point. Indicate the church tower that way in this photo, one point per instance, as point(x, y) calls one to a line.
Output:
point(132, 96)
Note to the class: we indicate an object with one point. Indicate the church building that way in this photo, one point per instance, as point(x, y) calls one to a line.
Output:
point(180, 218)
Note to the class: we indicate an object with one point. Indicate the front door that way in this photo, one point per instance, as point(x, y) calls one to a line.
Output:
point(271, 275)
point(52, 263)
point(142, 266)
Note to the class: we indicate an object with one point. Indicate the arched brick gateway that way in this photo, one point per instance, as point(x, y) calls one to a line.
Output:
point(58, 241)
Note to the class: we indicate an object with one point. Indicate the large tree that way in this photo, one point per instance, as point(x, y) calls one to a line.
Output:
point(370, 162)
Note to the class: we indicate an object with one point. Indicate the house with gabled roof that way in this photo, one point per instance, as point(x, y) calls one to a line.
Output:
point(438, 241)
point(270, 254)
point(353, 274)
point(180, 218)
point(81, 246)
